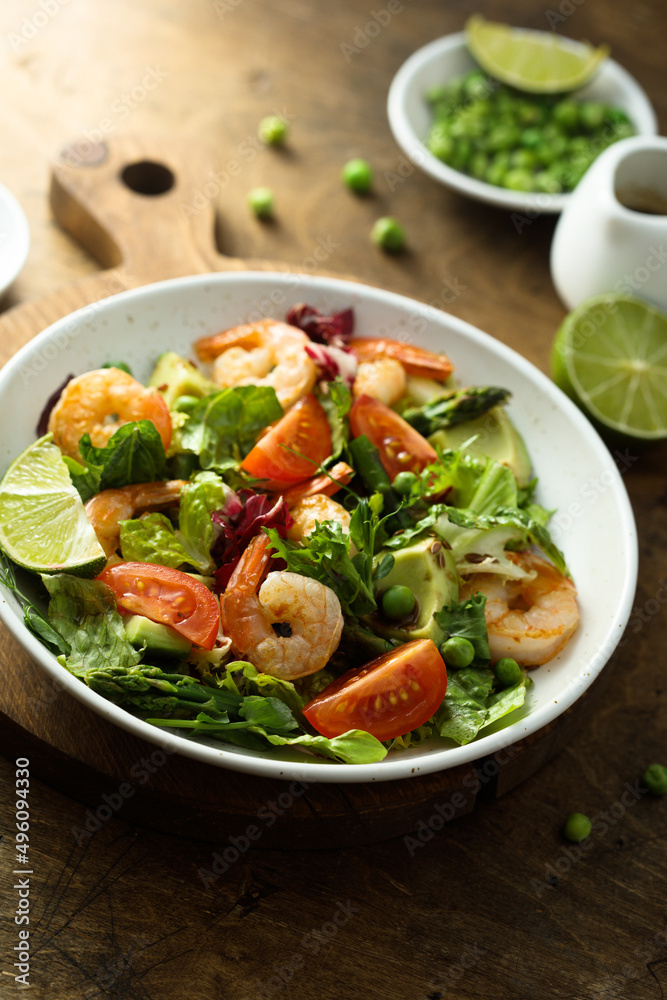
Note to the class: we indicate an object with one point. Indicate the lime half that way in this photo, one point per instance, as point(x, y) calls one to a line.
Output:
point(43, 524)
point(610, 357)
point(536, 61)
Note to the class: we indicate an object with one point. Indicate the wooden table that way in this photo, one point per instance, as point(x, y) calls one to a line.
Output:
point(495, 904)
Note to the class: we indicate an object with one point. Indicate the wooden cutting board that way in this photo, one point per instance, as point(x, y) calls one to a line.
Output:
point(145, 208)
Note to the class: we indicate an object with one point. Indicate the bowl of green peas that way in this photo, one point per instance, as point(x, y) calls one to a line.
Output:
point(503, 146)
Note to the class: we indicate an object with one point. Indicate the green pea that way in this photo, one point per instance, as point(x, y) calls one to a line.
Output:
point(546, 183)
point(388, 234)
point(462, 154)
point(592, 115)
point(518, 180)
point(566, 114)
point(118, 364)
point(523, 158)
point(624, 130)
point(398, 602)
point(551, 150)
point(437, 94)
point(475, 84)
point(272, 130)
point(529, 113)
point(507, 671)
point(531, 138)
point(457, 652)
point(503, 137)
point(261, 202)
point(358, 175)
point(185, 404)
point(404, 482)
point(654, 779)
point(479, 164)
point(577, 827)
point(617, 117)
point(441, 145)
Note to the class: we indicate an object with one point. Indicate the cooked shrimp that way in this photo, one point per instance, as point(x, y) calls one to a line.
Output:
point(327, 484)
point(529, 620)
point(290, 628)
point(98, 403)
point(320, 508)
point(415, 360)
point(383, 378)
point(107, 509)
point(265, 353)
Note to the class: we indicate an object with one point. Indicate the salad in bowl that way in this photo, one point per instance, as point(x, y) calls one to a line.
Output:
point(315, 539)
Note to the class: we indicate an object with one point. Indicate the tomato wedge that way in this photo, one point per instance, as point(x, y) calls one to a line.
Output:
point(401, 447)
point(388, 697)
point(291, 451)
point(168, 596)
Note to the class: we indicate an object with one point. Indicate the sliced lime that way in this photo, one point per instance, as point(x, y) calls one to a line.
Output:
point(536, 61)
point(610, 357)
point(43, 524)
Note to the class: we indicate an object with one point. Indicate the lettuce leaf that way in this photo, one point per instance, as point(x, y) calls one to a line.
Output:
point(134, 454)
point(84, 613)
point(152, 538)
point(466, 619)
point(515, 519)
point(223, 427)
point(470, 703)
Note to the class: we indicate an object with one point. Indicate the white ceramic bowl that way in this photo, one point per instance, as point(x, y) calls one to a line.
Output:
point(410, 117)
point(577, 475)
point(14, 238)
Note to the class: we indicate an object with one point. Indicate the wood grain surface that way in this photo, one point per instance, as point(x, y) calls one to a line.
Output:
point(494, 904)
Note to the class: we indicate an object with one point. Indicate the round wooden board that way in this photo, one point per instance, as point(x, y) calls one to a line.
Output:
point(127, 203)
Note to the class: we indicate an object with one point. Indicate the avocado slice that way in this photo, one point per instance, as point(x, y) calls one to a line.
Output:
point(497, 438)
point(427, 567)
point(160, 640)
point(173, 376)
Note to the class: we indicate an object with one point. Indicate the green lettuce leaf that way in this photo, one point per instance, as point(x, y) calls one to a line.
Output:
point(154, 539)
point(84, 613)
point(337, 403)
point(466, 619)
point(512, 518)
point(134, 454)
point(470, 703)
point(354, 747)
point(327, 558)
point(223, 427)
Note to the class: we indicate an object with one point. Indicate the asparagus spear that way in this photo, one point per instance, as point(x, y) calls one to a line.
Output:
point(465, 404)
point(149, 691)
point(366, 460)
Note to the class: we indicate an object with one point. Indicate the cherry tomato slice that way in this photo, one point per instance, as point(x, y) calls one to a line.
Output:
point(401, 447)
point(168, 596)
point(291, 451)
point(388, 697)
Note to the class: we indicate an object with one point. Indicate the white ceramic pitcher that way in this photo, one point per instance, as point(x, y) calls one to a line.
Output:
point(612, 236)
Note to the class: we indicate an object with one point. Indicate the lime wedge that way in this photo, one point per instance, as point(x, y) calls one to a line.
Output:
point(610, 357)
point(43, 524)
point(535, 61)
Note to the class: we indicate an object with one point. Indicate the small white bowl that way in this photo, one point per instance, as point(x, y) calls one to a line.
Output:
point(577, 475)
point(14, 238)
point(410, 117)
